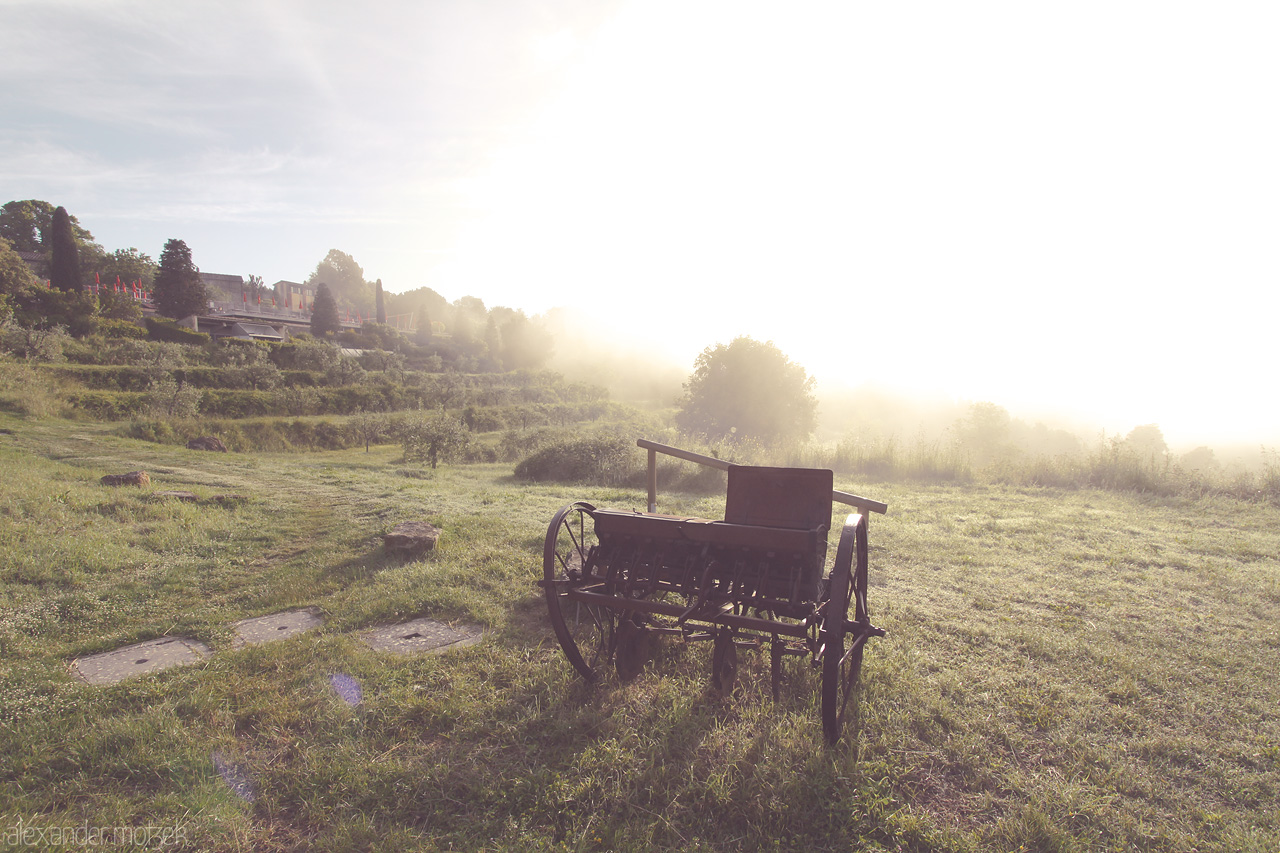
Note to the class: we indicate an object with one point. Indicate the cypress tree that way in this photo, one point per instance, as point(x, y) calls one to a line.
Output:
point(382, 308)
point(178, 290)
point(324, 313)
point(64, 263)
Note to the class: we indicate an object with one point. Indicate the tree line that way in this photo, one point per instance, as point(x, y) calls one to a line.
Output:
point(40, 242)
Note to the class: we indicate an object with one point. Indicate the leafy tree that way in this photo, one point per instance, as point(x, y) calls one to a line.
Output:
point(1147, 441)
point(127, 265)
point(15, 277)
point(369, 427)
point(526, 344)
point(747, 390)
point(1201, 459)
point(324, 313)
point(433, 437)
point(345, 279)
point(28, 226)
point(178, 290)
point(64, 263)
point(254, 288)
point(382, 307)
point(985, 432)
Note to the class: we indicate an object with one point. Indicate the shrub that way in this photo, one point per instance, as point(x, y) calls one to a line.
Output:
point(32, 343)
point(27, 391)
point(119, 329)
point(160, 329)
point(603, 460)
point(168, 398)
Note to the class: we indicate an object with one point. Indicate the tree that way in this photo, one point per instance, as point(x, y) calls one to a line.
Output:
point(254, 288)
point(28, 226)
point(64, 263)
point(433, 438)
point(324, 313)
point(747, 390)
point(345, 279)
point(127, 265)
point(382, 308)
point(985, 432)
point(178, 290)
point(1147, 441)
point(15, 275)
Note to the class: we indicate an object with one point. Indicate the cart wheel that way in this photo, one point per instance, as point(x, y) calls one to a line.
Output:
point(585, 631)
point(724, 662)
point(841, 661)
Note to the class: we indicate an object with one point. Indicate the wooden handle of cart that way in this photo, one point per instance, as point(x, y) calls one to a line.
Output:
point(654, 448)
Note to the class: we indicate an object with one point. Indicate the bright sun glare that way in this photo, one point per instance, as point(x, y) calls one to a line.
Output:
point(1061, 209)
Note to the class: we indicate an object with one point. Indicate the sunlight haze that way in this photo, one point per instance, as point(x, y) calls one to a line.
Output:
point(1066, 209)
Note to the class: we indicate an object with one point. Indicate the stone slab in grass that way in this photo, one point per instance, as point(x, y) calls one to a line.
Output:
point(277, 626)
point(421, 635)
point(140, 658)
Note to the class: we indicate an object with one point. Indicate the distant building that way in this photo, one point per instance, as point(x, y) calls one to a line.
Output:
point(223, 287)
point(291, 294)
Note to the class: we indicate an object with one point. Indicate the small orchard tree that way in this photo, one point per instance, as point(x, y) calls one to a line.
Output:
point(64, 261)
point(747, 391)
point(178, 291)
point(324, 313)
point(433, 437)
point(368, 427)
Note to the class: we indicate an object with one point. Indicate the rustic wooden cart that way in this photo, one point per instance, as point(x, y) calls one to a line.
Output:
point(616, 579)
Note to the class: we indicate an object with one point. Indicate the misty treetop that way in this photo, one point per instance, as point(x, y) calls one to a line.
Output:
point(748, 391)
point(346, 282)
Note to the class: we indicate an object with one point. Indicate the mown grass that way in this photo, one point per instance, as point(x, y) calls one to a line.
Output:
point(1065, 670)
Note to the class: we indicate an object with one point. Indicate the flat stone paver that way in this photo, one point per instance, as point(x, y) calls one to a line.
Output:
point(421, 635)
point(150, 656)
point(277, 626)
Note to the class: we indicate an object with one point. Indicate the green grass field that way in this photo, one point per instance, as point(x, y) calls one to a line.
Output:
point(1065, 670)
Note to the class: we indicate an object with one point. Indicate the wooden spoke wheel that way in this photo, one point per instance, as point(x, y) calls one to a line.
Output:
point(842, 641)
point(585, 631)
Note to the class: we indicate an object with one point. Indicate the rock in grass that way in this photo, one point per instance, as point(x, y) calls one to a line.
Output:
point(133, 478)
point(207, 442)
point(411, 539)
point(187, 497)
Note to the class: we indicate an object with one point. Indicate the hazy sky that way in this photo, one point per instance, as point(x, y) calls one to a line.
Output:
point(1068, 207)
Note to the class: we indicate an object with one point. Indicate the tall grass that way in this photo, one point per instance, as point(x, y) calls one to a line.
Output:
point(1066, 669)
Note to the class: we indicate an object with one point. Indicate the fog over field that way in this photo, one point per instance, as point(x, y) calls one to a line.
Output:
point(1065, 210)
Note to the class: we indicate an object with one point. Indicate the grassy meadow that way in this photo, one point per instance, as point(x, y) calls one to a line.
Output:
point(1065, 670)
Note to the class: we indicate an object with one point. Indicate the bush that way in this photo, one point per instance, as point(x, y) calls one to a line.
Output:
point(119, 329)
point(605, 460)
point(160, 329)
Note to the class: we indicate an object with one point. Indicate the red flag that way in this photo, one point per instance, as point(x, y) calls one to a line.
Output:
point(244, 297)
point(259, 300)
point(96, 280)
